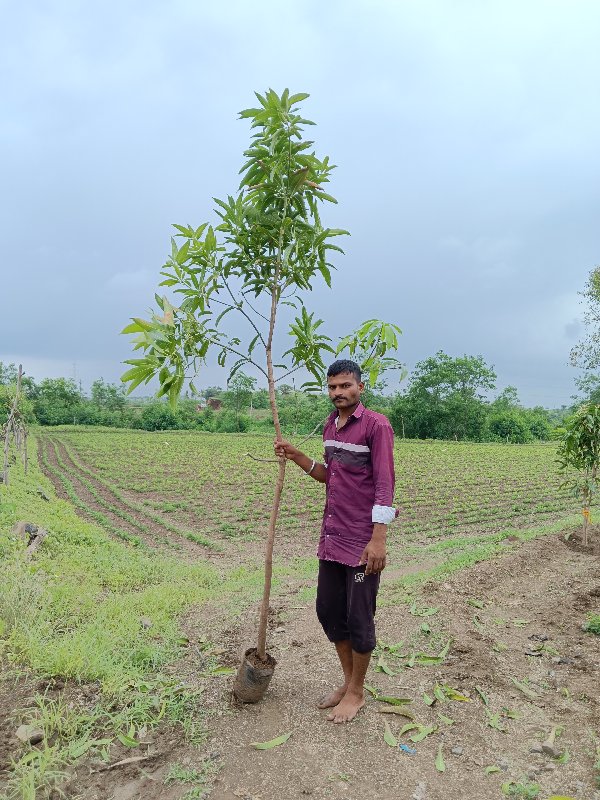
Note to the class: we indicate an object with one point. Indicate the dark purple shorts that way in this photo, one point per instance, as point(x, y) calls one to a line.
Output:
point(346, 604)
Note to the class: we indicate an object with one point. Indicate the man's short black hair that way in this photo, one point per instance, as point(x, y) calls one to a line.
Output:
point(345, 365)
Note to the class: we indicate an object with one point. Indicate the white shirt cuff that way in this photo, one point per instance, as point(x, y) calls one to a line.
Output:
point(383, 514)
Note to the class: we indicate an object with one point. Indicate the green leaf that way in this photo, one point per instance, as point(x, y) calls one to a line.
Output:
point(493, 720)
point(126, 740)
point(388, 736)
point(393, 701)
point(423, 612)
point(410, 726)
point(222, 671)
point(473, 601)
point(424, 731)
point(560, 797)
point(453, 694)
point(445, 649)
point(477, 624)
point(446, 720)
point(383, 666)
point(133, 328)
point(400, 710)
point(525, 689)
point(564, 758)
point(484, 697)
point(77, 749)
point(272, 742)
point(439, 694)
point(297, 98)
point(326, 273)
point(491, 769)
point(440, 764)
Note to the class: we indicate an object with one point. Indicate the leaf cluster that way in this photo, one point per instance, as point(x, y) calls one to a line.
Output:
point(268, 248)
point(578, 455)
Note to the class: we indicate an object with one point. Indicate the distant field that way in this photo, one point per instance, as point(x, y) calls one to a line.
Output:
point(207, 486)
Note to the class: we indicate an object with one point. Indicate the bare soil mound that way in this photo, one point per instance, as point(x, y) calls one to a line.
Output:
point(518, 652)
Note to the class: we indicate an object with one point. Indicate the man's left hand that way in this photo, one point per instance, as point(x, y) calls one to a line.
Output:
point(374, 555)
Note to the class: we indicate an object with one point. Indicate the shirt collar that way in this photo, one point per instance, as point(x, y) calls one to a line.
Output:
point(358, 412)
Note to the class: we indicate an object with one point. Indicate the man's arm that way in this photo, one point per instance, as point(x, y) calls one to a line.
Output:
point(318, 471)
point(382, 460)
point(374, 554)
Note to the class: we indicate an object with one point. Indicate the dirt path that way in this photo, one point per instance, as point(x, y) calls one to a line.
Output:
point(543, 582)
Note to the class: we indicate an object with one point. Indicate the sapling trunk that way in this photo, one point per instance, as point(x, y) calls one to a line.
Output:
point(587, 501)
point(264, 608)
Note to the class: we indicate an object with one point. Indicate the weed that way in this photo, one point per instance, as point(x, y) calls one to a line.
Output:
point(524, 791)
point(201, 777)
point(592, 624)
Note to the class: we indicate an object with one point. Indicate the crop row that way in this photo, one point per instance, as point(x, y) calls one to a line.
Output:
point(71, 473)
point(442, 487)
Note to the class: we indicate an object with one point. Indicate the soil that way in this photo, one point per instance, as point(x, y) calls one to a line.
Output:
point(544, 583)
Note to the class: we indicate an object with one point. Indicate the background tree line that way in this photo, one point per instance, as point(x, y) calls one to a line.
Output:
point(445, 398)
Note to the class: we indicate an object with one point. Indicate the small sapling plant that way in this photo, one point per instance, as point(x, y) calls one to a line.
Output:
point(267, 251)
point(579, 458)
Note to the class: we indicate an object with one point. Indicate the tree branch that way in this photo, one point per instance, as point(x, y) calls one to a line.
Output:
point(238, 353)
point(266, 319)
point(281, 377)
point(264, 460)
point(241, 310)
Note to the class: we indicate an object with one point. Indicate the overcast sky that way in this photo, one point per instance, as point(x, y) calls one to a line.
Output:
point(466, 134)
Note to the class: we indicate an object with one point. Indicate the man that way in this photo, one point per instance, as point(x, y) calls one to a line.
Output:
point(359, 476)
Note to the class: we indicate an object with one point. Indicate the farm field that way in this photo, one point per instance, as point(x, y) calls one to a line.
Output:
point(124, 633)
point(206, 487)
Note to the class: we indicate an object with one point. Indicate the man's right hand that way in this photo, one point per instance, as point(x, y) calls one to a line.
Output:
point(283, 448)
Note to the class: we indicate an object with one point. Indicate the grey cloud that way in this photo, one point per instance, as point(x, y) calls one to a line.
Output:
point(466, 138)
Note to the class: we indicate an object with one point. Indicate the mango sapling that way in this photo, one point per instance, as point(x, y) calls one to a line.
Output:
point(579, 458)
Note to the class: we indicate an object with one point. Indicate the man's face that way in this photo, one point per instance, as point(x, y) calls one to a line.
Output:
point(344, 390)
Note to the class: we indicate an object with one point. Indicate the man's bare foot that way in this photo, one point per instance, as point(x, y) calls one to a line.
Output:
point(332, 698)
point(347, 708)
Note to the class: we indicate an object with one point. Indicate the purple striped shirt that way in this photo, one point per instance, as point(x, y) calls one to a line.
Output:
point(359, 458)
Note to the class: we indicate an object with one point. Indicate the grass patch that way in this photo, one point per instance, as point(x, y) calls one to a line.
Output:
point(91, 608)
point(200, 777)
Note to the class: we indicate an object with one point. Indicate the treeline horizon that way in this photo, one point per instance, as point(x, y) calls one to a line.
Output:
point(445, 398)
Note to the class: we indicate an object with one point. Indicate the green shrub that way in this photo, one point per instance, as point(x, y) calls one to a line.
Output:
point(230, 422)
point(592, 624)
point(158, 417)
point(508, 426)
